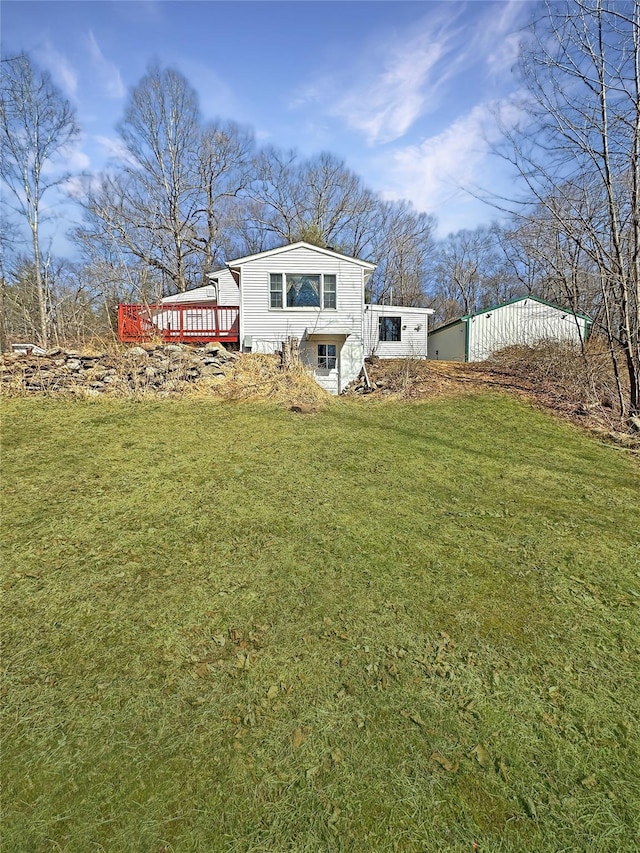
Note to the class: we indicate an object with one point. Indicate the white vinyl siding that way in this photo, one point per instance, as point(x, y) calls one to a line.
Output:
point(413, 331)
point(267, 327)
point(228, 290)
point(223, 288)
point(198, 294)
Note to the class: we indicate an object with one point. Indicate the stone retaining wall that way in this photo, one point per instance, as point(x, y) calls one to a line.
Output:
point(163, 370)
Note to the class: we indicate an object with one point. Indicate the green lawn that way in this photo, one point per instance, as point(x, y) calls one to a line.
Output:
point(228, 627)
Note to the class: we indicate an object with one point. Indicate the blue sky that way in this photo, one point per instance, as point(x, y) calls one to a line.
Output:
point(404, 92)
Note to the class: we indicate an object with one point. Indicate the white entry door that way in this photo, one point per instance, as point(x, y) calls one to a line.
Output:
point(327, 363)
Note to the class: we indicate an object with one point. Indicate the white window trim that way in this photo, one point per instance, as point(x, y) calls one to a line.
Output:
point(286, 307)
point(326, 356)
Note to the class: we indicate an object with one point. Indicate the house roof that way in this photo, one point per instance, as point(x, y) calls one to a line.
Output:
point(205, 292)
point(300, 245)
point(397, 309)
point(466, 317)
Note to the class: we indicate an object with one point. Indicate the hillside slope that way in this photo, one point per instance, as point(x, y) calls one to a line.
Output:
point(229, 627)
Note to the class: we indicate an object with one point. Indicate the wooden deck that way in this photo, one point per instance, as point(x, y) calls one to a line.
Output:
point(179, 322)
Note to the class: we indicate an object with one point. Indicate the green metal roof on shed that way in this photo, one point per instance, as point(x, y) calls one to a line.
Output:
point(472, 314)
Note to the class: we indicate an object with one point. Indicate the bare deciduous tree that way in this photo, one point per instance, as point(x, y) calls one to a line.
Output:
point(37, 125)
point(578, 152)
point(471, 272)
point(167, 201)
point(319, 200)
point(225, 168)
point(404, 249)
point(160, 130)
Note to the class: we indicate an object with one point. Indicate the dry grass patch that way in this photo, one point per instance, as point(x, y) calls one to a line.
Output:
point(260, 377)
point(159, 371)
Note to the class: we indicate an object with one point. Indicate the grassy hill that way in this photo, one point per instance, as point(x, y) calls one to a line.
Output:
point(228, 627)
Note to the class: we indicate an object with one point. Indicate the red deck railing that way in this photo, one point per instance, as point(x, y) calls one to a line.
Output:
point(184, 322)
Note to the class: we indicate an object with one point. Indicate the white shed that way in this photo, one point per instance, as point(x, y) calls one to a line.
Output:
point(525, 321)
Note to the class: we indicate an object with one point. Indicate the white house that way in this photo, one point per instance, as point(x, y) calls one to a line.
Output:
point(302, 292)
point(526, 320)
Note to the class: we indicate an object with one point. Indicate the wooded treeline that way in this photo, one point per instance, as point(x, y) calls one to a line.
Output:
point(184, 195)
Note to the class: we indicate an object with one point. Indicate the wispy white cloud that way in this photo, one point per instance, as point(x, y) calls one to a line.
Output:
point(70, 168)
point(107, 71)
point(383, 93)
point(443, 174)
point(77, 161)
point(61, 70)
point(499, 38)
point(405, 90)
point(383, 103)
point(114, 148)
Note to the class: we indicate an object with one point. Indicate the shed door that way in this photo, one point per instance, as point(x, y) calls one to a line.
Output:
point(327, 363)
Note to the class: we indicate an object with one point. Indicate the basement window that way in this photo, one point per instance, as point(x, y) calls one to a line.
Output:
point(390, 329)
point(327, 356)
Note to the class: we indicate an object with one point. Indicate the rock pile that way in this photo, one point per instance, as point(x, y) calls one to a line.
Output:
point(163, 370)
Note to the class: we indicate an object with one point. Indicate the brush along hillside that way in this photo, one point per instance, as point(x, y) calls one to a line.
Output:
point(554, 376)
point(157, 371)
point(229, 627)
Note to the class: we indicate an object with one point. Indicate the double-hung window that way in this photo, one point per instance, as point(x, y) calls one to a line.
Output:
point(329, 291)
point(275, 290)
point(302, 290)
point(390, 328)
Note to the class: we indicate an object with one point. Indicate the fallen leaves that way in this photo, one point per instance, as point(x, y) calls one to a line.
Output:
point(483, 756)
point(242, 660)
point(415, 717)
point(449, 766)
point(502, 769)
